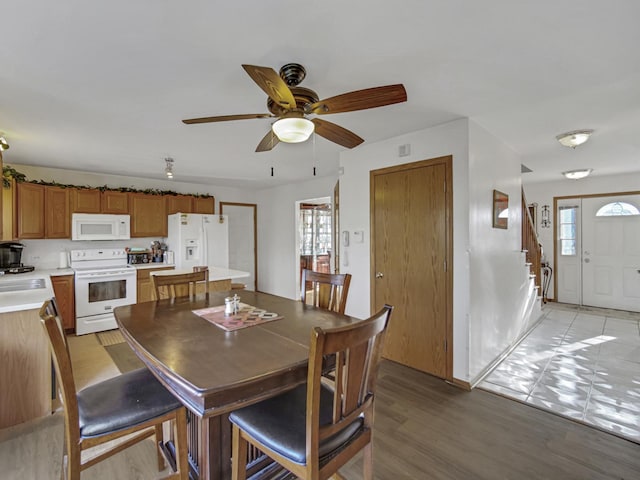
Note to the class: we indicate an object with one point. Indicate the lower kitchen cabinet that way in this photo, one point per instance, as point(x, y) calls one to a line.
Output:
point(145, 291)
point(63, 289)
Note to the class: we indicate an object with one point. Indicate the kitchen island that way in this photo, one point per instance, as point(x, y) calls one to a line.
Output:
point(25, 376)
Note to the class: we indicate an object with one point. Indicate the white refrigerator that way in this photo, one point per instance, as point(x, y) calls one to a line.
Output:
point(198, 240)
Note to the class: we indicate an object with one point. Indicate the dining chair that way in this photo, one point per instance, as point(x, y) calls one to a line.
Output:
point(133, 405)
point(180, 284)
point(325, 290)
point(314, 429)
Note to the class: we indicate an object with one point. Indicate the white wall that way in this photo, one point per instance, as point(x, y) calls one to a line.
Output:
point(278, 265)
point(543, 194)
point(499, 280)
point(45, 253)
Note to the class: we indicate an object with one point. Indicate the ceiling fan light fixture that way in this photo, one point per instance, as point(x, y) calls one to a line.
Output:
point(3, 144)
point(293, 129)
point(574, 138)
point(577, 174)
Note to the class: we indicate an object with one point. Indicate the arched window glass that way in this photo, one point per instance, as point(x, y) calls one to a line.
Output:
point(617, 209)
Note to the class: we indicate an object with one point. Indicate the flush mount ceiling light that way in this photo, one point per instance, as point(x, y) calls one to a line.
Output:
point(574, 138)
point(169, 168)
point(577, 174)
point(3, 143)
point(293, 129)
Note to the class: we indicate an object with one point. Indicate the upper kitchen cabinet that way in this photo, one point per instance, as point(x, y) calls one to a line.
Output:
point(57, 216)
point(148, 215)
point(179, 204)
point(85, 200)
point(115, 202)
point(30, 211)
point(204, 205)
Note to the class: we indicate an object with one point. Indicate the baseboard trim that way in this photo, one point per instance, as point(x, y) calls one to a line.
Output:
point(463, 384)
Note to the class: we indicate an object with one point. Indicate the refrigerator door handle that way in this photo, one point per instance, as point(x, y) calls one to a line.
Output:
point(205, 244)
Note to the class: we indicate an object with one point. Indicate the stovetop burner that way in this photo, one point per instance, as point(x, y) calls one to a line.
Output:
point(16, 269)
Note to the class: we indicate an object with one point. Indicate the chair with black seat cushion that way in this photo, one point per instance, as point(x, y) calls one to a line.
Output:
point(314, 429)
point(134, 404)
point(177, 285)
point(325, 290)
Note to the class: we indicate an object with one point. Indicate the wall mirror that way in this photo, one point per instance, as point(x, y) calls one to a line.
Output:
point(500, 210)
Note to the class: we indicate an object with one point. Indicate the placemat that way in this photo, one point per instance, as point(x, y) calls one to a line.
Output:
point(247, 316)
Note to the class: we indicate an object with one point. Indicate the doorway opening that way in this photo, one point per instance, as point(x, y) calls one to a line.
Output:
point(314, 220)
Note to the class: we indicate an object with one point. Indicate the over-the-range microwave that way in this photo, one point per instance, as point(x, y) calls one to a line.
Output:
point(97, 226)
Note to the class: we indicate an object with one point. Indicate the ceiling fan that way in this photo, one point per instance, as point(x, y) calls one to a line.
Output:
point(292, 105)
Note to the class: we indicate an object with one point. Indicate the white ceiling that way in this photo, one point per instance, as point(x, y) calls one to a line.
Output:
point(103, 86)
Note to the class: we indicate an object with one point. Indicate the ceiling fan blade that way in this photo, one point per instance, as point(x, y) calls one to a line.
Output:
point(360, 100)
point(336, 133)
point(226, 118)
point(269, 81)
point(269, 141)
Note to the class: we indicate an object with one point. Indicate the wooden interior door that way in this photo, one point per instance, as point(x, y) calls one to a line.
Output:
point(411, 262)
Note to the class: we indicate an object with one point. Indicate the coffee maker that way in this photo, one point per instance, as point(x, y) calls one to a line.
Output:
point(11, 258)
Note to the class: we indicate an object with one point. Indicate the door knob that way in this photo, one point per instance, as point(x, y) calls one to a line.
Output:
point(379, 274)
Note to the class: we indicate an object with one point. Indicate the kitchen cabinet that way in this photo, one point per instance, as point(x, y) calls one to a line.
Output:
point(42, 211)
point(179, 204)
point(114, 202)
point(30, 212)
point(148, 215)
point(9, 218)
point(204, 205)
point(25, 375)
point(63, 289)
point(85, 200)
point(145, 291)
point(57, 216)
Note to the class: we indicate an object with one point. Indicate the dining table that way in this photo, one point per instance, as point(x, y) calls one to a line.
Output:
point(215, 368)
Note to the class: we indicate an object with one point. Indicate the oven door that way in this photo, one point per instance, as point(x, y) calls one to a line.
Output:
point(99, 292)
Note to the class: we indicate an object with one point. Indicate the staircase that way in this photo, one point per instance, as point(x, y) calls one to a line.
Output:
point(531, 247)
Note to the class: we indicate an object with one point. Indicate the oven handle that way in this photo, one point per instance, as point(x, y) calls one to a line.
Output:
point(125, 274)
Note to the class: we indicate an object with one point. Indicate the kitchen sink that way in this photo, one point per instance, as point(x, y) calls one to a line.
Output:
point(20, 285)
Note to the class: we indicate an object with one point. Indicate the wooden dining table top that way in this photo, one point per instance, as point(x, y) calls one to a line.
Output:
point(215, 371)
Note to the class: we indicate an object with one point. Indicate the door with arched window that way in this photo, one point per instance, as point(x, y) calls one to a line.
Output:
point(611, 252)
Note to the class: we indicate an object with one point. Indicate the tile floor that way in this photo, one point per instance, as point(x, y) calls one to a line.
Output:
point(579, 362)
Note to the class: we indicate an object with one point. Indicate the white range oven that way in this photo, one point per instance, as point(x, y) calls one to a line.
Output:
point(103, 281)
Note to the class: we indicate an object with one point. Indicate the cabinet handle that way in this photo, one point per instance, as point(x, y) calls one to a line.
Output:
point(379, 274)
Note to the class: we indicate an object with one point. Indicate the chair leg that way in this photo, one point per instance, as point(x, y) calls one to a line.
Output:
point(73, 463)
point(159, 442)
point(238, 456)
point(367, 462)
point(182, 462)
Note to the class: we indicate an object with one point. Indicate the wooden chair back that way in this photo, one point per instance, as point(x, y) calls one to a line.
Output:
point(357, 350)
point(62, 363)
point(180, 284)
point(325, 290)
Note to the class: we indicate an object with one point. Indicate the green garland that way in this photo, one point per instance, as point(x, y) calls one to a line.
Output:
point(9, 173)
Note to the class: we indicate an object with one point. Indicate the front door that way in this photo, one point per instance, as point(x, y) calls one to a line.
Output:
point(611, 252)
point(412, 262)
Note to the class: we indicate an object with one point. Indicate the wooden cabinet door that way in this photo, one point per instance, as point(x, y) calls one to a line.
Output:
point(9, 214)
point(63, 289)
point(115, 202)
point(30, 211)
point(179, 203)
point(57, 216)
point(148, 215)
point(85, 200)
point(204, 205)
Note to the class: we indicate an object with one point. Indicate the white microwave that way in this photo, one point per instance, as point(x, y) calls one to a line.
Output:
point(96, 226)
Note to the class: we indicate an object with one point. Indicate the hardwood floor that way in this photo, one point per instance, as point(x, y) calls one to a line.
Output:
point(424, 429)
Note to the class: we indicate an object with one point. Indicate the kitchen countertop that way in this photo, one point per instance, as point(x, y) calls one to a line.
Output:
point(29, 299)
point(142, 266)
point(215, 273)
